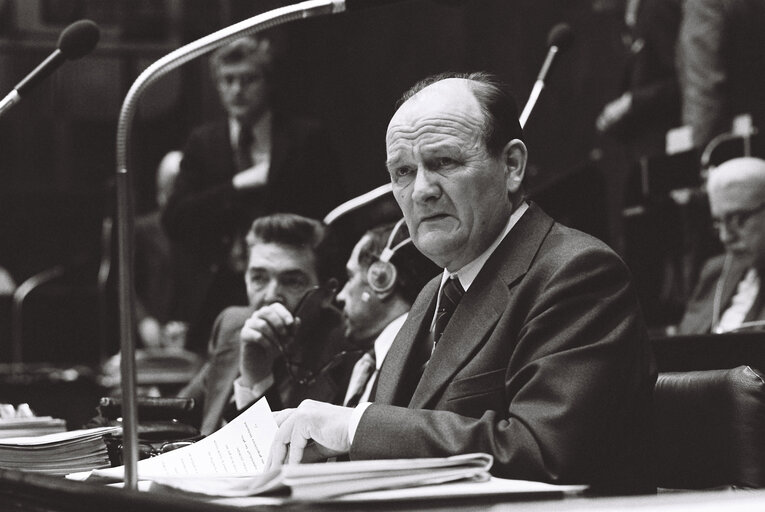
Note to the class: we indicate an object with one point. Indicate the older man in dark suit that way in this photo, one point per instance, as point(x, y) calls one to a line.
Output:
point(545, 361)
point(729, 294)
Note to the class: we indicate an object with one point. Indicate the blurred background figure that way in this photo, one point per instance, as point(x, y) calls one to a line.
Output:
point(721, 64)
point(156, 265)
point(729, 295)
point(254, 162)
point(638, 119)
point(650, 102)
point(7, 284)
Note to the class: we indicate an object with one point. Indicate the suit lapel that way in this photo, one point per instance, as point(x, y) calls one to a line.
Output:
point(280, 141)
point(223, 150)
point(223, 376)
point(224, 369)
point(417, 324)
point(476, 314)
point(482, 305)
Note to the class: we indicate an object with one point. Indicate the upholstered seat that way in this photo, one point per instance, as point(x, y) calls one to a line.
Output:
point(710, 429)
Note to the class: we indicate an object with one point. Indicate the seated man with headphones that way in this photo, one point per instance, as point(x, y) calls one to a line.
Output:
point(385, 274)
point(730, 293)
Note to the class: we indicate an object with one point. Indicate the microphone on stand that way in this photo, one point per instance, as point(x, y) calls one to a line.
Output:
point(559, 38)
point(75, 41)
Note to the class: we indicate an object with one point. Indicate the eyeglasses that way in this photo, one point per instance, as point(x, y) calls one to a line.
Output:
point(309, 311)
point(114, 447)
point(737, 218)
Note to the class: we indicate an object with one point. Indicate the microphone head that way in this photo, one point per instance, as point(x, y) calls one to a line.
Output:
point(78, 39)
point(561, 36)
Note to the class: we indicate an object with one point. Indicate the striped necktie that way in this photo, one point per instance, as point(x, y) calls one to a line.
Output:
point(450, 295)
point(362, 372)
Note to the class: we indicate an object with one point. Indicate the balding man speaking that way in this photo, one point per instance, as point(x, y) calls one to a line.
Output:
point(530, 346)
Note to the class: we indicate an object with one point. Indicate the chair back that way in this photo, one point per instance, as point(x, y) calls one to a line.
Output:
point(710, 429)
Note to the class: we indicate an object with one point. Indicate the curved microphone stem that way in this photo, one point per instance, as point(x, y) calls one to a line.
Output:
point(9, 101)
point(539, 84)
point(158, 69)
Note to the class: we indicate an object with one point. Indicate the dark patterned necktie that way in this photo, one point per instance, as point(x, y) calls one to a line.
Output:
point(244, 148)
point(450, 295)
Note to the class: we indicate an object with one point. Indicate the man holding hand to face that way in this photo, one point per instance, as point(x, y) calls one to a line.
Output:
point(530, 346)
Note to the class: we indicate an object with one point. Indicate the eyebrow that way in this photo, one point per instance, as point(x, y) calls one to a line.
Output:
point(291, 272)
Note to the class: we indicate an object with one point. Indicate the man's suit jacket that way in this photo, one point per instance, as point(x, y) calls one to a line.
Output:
point(651, 78)
point(205, 208)
point(212, 388)
point(699, 312)
point(545, 364)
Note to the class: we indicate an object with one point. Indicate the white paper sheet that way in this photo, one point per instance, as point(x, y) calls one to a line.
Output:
point(240, 448)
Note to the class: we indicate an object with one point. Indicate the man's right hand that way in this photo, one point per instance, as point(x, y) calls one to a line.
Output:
point(266, 329)
point(255, 176)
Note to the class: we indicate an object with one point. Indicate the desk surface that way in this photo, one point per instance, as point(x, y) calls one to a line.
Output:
point(26, 491)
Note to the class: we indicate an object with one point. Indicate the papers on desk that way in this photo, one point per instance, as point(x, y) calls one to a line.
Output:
point(18, 421)
point(59, 453)
point(231, 462)
point(239, 449)
point(32, 426)
point(330, 480)
point(493, 488)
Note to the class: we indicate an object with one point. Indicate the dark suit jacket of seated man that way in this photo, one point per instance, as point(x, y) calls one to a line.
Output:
point(545, 363)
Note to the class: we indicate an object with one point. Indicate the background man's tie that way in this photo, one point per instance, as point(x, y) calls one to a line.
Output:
point(244, 148)
point(362, 372)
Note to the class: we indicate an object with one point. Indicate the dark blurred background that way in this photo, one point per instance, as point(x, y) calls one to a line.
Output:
point(57, 147)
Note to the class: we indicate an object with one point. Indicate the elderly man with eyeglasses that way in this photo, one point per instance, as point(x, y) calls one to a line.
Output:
point(729, 295)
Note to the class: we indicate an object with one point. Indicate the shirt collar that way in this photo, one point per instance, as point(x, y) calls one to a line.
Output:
point(385, 339)
point(468, 273)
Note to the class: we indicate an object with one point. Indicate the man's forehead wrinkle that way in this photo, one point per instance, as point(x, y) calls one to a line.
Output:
point(433, 129)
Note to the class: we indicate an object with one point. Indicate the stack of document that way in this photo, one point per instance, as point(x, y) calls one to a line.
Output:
point(230, 464)
point(57, 454)
point(32, 426)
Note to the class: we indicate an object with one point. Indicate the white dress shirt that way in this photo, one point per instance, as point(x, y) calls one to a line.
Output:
point(741, 303)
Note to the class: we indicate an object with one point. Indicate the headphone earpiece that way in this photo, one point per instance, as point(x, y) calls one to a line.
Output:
point(381, 276)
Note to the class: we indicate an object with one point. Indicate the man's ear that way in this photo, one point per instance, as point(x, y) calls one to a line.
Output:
point(514, 156)
point(384, 296)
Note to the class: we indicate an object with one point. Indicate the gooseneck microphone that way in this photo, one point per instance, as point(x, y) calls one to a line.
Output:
point(75, 41)
point(559, 38)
